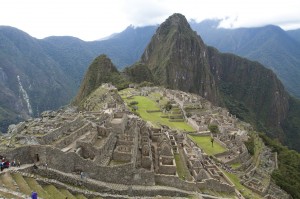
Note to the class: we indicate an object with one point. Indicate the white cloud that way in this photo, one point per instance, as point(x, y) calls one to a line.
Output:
point(93, 19)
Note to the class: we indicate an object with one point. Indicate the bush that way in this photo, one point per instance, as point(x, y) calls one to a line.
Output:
point(250, 145)
point(133, 103)
point(214, 128)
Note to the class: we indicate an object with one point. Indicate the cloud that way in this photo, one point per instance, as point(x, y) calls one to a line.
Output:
point(93, 19)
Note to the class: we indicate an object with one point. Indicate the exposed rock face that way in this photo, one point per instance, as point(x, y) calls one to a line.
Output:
point(100, 71)
point(257, 87)
point(178, 59)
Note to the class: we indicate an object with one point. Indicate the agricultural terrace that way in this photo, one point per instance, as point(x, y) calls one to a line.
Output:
point(149, 109)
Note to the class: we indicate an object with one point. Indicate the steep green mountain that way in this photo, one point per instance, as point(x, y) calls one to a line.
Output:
point(102, 70)
point(178, 59)
point(72, 54)
point(30, 80)
point(270, 45)
point(138, 73)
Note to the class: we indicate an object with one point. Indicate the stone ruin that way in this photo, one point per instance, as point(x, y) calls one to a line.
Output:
point(118, 147)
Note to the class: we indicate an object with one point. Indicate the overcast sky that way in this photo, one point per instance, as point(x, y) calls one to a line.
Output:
point(94, 19)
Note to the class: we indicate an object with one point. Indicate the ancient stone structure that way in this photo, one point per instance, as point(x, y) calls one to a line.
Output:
point(112, 145)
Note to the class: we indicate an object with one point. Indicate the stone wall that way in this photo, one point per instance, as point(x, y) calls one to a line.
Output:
point(174, 181)
point(124, 156)
point(73, 136)
point(57, 133)
point(215, 185)
point(71, 162)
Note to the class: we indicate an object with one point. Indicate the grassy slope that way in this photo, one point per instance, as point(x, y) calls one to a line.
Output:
point(204, 142)
point(145, 103)
point(245, 191)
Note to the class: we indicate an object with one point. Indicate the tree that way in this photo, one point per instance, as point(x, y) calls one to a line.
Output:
point(168, 106)
point(213, 128)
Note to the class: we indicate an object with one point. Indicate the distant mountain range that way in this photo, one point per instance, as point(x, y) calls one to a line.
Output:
point(38, 75)
point(270, 45)
point(50, 70)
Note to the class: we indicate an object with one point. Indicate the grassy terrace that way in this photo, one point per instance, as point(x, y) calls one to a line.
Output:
point(247, 193)
point(204, 142)
point(182, 169)
point(147, 103)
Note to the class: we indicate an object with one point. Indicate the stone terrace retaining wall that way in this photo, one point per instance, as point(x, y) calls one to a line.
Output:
point(174, 181)
point(57, 133)
point(72, 137)
point(216, 185)
point(72, 162)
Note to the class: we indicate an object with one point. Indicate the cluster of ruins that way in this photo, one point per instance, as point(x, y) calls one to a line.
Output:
point(115, 146)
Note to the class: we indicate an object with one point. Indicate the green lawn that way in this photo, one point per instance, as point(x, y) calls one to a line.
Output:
point(145, 103)
point(204, 142)
point(182, 171)
point(236, 165)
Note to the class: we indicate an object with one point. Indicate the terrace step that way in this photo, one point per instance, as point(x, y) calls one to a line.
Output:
point(67, 194)
point(53, 192)
point(22, 184)
point(81, 196)
point(8, 182)
point(35, 186)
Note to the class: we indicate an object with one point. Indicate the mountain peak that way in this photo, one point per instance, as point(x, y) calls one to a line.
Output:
point(176, 22)
point(176, 55)
point(177, 19)
point(98, 72)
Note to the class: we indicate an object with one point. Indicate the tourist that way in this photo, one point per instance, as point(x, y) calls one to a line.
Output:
point(13, 163)
point(34, 195)
point(34, 166)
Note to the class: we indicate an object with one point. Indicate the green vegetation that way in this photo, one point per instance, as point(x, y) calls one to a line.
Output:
point(291, 125)
point(214, 128)
point(8, 181)
point(34, 185)
point(53, 192)
point(139, 73)
point(181, 169)
point(8, 195)
point(80, 196)
point(250, 145)
point(204, 142)
point(67, 194)
point(247, 193)
point(287, 176)
point(145, 107)
point(100, 71)
point(236, 165)
point(22, 184)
